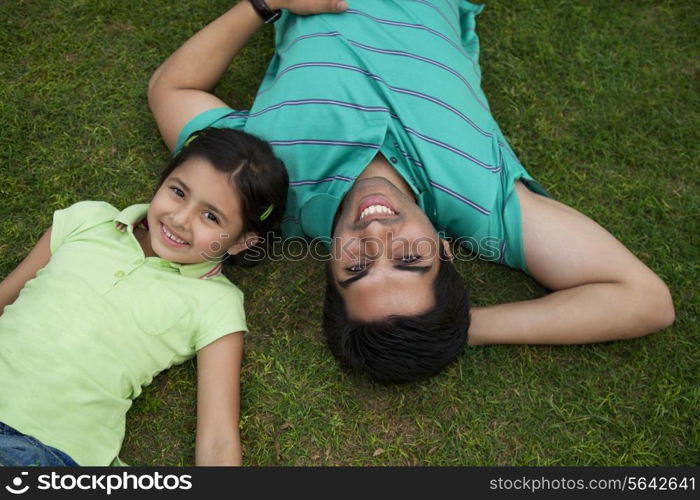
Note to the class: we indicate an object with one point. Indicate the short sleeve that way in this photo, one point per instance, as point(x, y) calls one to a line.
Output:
point(78, 217)
point(467, 14)
point(225, 316)
point(217, 118)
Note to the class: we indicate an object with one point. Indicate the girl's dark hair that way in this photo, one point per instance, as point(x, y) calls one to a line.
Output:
point(258, 175)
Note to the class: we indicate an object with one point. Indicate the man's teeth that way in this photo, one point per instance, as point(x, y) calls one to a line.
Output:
point(173, 237)
point(376, 209)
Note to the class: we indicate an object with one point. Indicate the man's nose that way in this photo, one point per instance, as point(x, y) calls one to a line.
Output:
point(377, 241)
point(379, 228)
point(372, 247)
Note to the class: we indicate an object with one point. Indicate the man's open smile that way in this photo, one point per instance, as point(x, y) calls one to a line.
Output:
point(374, 207)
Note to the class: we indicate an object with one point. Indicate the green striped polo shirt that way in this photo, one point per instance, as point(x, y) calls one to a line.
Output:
point(397, 77)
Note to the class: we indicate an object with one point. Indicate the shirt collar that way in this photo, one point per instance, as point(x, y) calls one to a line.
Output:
point(131, 216)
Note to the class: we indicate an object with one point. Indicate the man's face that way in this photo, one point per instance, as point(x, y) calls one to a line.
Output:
point(384, 252)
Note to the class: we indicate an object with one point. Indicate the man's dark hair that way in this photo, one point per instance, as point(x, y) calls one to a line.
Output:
point(400, 349)
point(255, 172)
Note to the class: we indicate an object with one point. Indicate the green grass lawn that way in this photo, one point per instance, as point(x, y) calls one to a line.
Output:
point(600, 100)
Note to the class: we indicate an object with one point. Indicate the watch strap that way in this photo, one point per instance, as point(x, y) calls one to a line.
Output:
point(265, 12)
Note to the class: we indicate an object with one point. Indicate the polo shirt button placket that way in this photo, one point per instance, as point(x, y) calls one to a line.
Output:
point(119, 275)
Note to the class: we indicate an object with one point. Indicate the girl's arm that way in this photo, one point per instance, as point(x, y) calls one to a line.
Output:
point(26, 270)
point(180, 88)
point(218, 401)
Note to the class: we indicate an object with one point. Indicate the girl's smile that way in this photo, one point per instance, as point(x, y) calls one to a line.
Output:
point(171, 238)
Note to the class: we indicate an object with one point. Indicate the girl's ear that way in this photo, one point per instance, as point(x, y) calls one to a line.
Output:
point(244, 242)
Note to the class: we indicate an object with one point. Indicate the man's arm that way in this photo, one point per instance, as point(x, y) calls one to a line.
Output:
point(180, 88)
point(600, 290)
point(218, 402)
point(26, 270)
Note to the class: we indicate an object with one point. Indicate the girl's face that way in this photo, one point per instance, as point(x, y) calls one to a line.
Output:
point(195, 216)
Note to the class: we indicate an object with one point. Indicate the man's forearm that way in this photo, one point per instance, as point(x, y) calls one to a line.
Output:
point(595, 312)
point(180, 89)
point(201, 61)
point(601, 290)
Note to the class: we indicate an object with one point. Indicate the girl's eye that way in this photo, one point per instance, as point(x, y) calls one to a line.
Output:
point(410, 259)
point(178, 192)
point(212, 217)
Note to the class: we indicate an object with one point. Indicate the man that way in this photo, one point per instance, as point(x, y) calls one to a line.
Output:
point(377, 111)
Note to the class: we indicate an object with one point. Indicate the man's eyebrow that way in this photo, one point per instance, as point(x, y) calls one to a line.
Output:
point(346, 283)
point(401, 267)
point(211, 207)
point(413, 269)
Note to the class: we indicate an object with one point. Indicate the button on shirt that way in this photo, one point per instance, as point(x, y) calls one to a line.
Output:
point(96, 324)
point(400, 78)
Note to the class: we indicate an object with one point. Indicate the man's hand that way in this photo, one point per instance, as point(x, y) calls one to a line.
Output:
point(306, 7)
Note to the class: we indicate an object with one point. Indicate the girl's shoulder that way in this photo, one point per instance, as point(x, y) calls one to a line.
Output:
point(92, 208)
point(79, 217)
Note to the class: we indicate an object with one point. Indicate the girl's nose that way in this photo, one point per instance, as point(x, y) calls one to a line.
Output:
point(180, 218)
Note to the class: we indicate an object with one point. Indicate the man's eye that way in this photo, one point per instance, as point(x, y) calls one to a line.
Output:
point(178, 192)
point(212, 217)
point(410, 259)
point(356, 268)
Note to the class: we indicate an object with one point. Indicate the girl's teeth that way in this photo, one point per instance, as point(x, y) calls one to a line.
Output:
point(173, 237)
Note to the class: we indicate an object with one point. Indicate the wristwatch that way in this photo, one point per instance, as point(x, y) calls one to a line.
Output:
point(265, 12)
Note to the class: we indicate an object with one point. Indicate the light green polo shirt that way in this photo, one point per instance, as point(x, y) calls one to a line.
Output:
point(96, 324)
point(397, 77)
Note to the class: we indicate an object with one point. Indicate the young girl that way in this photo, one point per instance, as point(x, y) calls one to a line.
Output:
point(109, 298)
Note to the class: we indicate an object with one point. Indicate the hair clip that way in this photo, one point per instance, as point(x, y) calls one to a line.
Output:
point(191, 138)
point(267, 212)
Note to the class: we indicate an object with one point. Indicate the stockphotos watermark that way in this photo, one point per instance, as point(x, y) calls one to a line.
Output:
point(107, 483)
point(277, 249)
